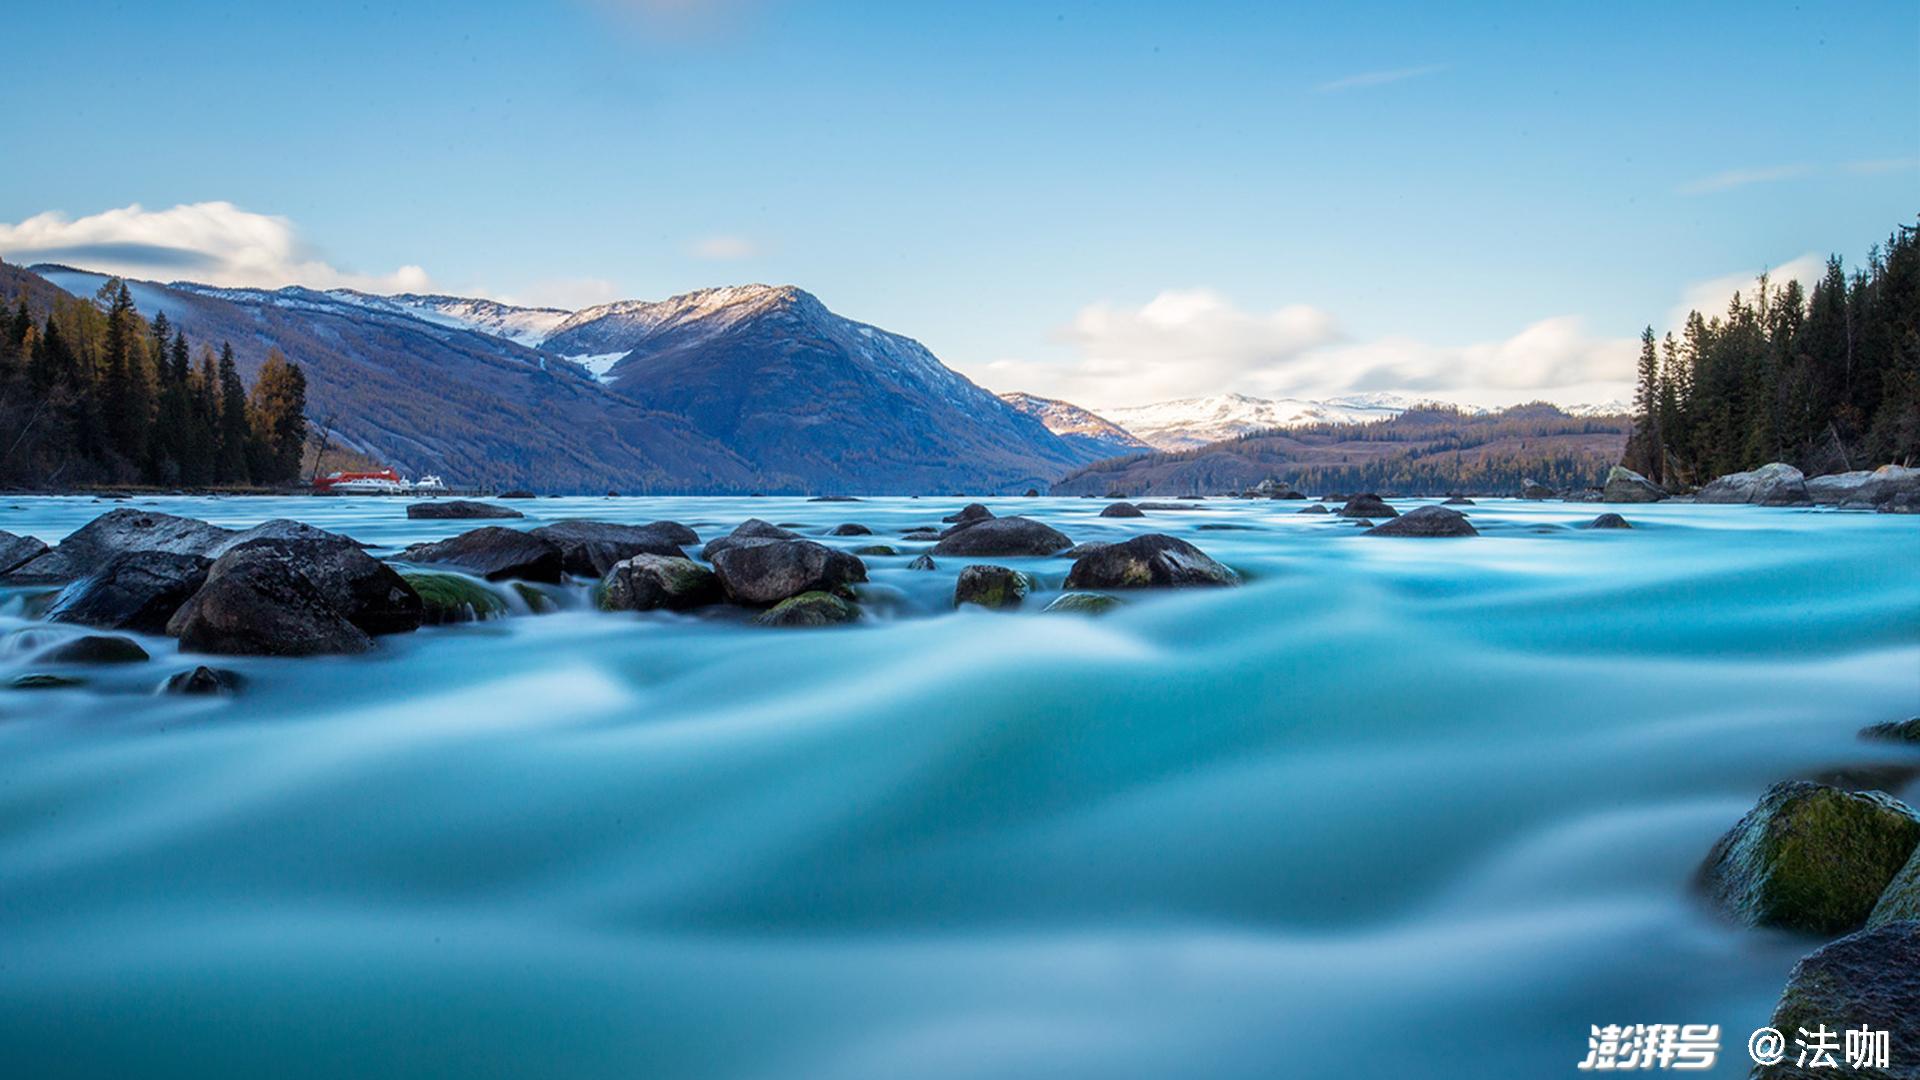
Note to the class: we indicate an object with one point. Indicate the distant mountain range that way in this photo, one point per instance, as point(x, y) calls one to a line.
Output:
point(747, 387)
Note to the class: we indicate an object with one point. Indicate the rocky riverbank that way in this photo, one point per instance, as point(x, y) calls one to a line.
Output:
point(1889, 489)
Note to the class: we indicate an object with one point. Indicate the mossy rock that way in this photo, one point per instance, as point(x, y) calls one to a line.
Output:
point(450, 598)
point(1085, 603)
point(1811, 858)
point(41, 680)
point(809, 609)
point(537, 601)
point(1901, 899)
point(650, 582)
point(1906, 731)
point(993, 587)
point(1870, 978)
point(875, 549)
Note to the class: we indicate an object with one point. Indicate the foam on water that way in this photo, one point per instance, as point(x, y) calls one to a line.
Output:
point(1391, 800)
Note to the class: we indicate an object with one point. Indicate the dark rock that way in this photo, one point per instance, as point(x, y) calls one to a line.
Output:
point(1626, 486)
point(922, 562)
point(1907, 731)
point(1458, 500)
point(40, 680)
point(920, 535)
point(17, 550)
point(1004, 536)
point(1900, 900)
point(115, 533)
point(1608, 521)
point(876, 550)
point(1151, 561)
point(440, 509)
point(1777, 484)
point(1032, 493)
point(991, 587)
point(1533, 489)
point(203, 680)
point(258, 600)
point(969, 512)
point(1888, 485)
point(446, 599)
point(834, 498)
point(1367, 506)
point(494, 553)
point(590, 548)
point(1081, 603)
point(769, 571)
point(537, 599)
point(368, 592)
point(1121, 510)
point(516, 494)
point(809, 609)
point(1165, 506)
point(750, 531)
point(1316, 508)
point(1427, 521)
point(652, 582)
point(1087, 548)
point(850, 529)
point(137, 590)
point(95, 649)
point(1871, 978)
point(1810, 858)
point(1905, 502)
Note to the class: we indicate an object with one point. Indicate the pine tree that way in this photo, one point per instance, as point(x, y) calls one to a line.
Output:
point(278, 413)
point(1646, 451)
point(236, 435)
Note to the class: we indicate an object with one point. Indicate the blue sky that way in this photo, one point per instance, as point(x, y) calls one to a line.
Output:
point(1117, 202)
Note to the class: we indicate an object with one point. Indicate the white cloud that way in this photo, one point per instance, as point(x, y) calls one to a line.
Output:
point(1711, 297)
point(1738, 178)
point(1377, 78)
point(723, 248)
point(215, 243)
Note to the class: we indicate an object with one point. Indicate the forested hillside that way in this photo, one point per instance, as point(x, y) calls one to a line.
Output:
point(1826, 380)
point(91, 393)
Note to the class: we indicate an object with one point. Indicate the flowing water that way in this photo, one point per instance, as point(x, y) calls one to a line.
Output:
point(1398, 808)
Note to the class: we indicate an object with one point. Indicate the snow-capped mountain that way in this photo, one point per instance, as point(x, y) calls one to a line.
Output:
point(1191, 422)
point(525, 325)
point(1603, 408)
point(1077, 425)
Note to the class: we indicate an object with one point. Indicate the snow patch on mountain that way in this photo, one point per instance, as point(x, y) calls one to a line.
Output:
point(1068, 420)
point(1191, 422)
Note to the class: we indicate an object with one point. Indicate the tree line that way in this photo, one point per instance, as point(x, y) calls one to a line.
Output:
point(92, 393)
point(1827, 380)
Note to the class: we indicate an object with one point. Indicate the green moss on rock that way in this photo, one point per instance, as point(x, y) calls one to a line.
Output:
point(1900, 901)
point(450, 598)
point(993, 587)
point(44, 681)
point(1870, 978)
point(537, 601)
point(1906, 731)
point(809, 609)
point(875, 549)
point(1811, 858)
point(1085, 603)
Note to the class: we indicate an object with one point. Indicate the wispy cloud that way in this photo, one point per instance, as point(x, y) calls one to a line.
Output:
point(1739, 178)
point(216, 243)
point(723, 248)
point(1378, 78)
point(1877, 166)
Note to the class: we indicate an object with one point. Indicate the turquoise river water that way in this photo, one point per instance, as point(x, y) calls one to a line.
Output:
point(1396, 809)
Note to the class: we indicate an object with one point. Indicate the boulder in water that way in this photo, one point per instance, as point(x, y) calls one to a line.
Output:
point(879, 550)
point(652, 582)
point(1427, 521)
point(19, 550)
point(257, 601)
point(750, 531)
point(115, 533)
point(991, 587)
point(922, 562)
point(1002, 537)
point(1533, 489)
point(1626, 486)
point(136, 590)
point(1154, 560)
point(95, 649)
point(446, 599)
point(202, 680)
point(590, 548)
point(1811, 858)
point(1121, 510)
point(367, 591)
point(969, 512)
point(809, 609)
point(42, 680)
point(1777, 484)
point(1316, 508)
point(1082, 603)
point(494, 553)
point(1907, 731)
point(1608, 521)
point(1368, 505)
point(765, 572)
point(851, 528)
point(1871, 978)
point(441, 509)
point(1900, 900)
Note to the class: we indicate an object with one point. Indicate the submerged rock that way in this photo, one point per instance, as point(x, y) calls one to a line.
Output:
point(1154, 560)
point(1777, 484)
point(1081, 603)
point(750, 531)
point(1367, 506)
point(991, 587)
point(1810, 858)
point(1871, 978)
point(451, 598)
point(809, 609)
point(652, 582)
point(851, 528)
point(1608, 521)
point(1004, 536)
point(119, 532)
point(1316, 508)
point(1907, 731)
point(494, 553)
point(1121, 510)
point(202, 680)
point(1626, 486)
point(258, 601)
point(1458, 500)
point(1427, 521)
point(95, 649)
point(769, 571)
point(879, 550)
point(18, 550)
point(41, 680)
point(589, 548)
point(441, 509)
point(137, 590)
point(922, 562)
point(969, 512)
